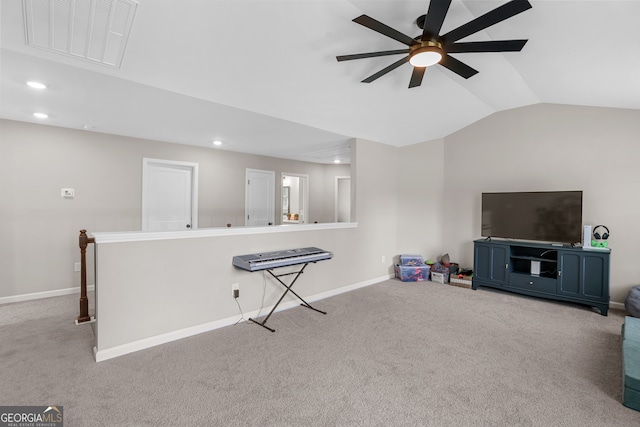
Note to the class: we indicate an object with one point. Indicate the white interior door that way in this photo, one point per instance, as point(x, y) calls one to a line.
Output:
point(343, 199)
point(169, 195)
point(260, 197)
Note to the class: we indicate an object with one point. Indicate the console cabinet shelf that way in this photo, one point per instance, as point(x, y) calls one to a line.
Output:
point(555, 272)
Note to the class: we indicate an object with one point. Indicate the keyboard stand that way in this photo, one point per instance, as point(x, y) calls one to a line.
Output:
point(277, 277)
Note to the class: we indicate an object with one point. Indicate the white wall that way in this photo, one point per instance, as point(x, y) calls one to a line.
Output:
point(549, 147)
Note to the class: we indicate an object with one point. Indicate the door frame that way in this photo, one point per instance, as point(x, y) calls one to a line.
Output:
point(146, 163)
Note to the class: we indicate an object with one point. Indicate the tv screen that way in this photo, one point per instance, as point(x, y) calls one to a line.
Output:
point(550, 216)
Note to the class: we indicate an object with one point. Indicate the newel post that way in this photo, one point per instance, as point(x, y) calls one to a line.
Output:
point(83, 240)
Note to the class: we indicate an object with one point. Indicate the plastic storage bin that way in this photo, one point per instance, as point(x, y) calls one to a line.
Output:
point(412, 273)
point(411, 259)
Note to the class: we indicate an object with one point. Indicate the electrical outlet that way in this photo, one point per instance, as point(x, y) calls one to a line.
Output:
point(235, 290)
point(76, 267)
point(383, 259)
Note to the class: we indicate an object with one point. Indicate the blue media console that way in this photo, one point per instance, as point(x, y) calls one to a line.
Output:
point(562, 273)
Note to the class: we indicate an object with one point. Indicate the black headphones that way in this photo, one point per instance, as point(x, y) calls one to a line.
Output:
point(598, 240)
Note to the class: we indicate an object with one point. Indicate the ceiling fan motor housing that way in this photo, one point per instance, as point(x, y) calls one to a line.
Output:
point(425, 46)
point(421, 20)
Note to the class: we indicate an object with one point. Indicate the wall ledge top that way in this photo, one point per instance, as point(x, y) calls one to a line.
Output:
point(142, 236)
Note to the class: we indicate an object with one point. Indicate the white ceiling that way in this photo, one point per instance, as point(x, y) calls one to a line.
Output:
point(262, 75)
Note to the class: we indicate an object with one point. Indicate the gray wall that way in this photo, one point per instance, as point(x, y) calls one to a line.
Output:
point(420, 196)
point(548, 147)
point(169, 286)
point(424, 198)
point(39, 229)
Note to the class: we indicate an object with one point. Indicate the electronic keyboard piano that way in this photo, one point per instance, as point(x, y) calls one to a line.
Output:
point(269, 260)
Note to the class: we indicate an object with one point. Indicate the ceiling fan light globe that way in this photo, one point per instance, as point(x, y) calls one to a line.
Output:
point(425, 58)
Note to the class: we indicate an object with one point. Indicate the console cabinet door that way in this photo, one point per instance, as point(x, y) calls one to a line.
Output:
point(584, 275)
point(569, 277)
point(596, 276)
point(491, 263)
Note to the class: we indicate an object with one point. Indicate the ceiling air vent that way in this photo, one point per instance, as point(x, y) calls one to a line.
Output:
point(93, 30)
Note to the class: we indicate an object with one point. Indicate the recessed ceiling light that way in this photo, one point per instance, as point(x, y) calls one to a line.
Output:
point(40, 115)
point(336, 161)
point(217, 143)
point(36, 85)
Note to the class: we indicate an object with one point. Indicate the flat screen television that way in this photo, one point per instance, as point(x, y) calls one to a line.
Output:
point(549, 216)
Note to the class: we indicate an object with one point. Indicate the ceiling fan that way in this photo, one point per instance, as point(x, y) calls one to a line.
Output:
point(431, 48)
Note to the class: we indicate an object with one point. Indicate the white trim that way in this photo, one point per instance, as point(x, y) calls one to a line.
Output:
point(194, 187)
point(45, 294)
point(616, 305)
point(121, 350)
point(145, 343)
point(143, 236)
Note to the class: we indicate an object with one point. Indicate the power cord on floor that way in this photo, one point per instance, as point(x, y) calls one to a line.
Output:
point(264, 292)
point(242, 319)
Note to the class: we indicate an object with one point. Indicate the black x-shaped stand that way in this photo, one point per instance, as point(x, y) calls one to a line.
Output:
point(304, 303)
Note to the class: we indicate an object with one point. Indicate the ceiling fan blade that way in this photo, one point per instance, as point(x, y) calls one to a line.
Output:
point(458, 67)
point(416, 76)
point(386, 70)
point(435, 17)
point(498, 14)
point(371, 54)
point(488, 46)
point(384, 29)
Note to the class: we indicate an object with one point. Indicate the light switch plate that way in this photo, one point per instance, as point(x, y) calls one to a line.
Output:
point(67, 193)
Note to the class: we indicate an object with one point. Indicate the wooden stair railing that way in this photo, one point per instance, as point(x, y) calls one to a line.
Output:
point(84, 241)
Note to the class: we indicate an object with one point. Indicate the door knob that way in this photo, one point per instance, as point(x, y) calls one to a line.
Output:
point(188, 225)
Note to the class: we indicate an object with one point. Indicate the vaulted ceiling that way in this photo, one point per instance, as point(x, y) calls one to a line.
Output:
point(262, 76)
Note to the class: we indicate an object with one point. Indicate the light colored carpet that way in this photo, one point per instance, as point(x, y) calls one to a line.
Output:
point(401, 354)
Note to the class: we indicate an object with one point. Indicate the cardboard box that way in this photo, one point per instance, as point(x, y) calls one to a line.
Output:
point(463, 282)
point(439, 277)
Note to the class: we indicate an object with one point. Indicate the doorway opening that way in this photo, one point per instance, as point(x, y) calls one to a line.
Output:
point(343, 199)
point(295, 198)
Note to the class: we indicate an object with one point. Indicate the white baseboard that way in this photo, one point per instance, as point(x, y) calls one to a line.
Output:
point(616, 305)
point(45, 294)
point(121, 350)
